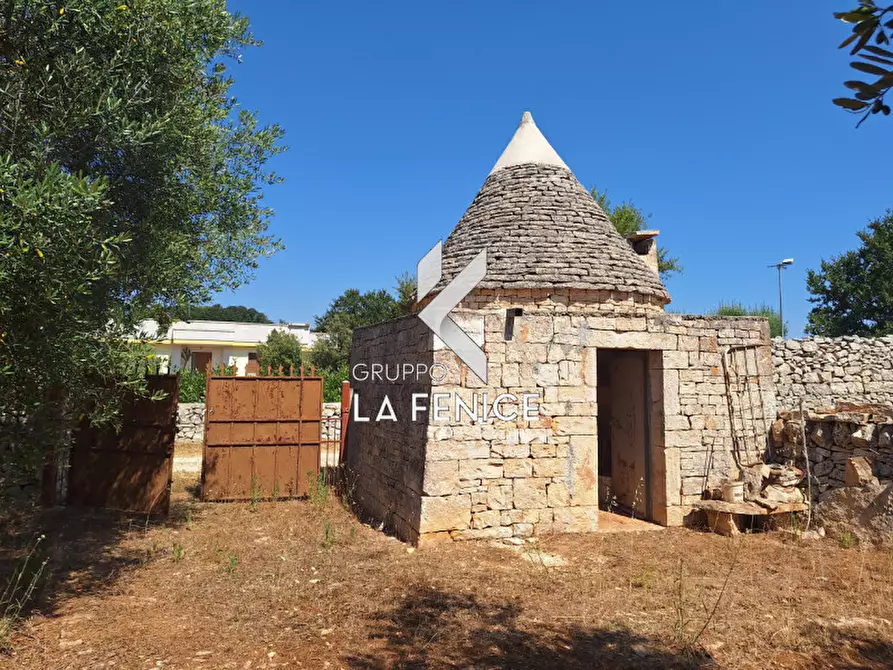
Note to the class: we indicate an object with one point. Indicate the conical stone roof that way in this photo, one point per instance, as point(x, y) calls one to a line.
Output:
point(542, 229)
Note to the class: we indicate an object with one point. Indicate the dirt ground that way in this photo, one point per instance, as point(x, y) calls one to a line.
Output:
point(303, 584)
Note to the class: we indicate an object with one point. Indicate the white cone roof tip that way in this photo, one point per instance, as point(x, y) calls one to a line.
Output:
point(528, 145)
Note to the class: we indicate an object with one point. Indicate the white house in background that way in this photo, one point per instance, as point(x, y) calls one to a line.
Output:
point(191, 345)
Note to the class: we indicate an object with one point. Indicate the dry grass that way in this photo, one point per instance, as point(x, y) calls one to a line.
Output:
point(306, 585)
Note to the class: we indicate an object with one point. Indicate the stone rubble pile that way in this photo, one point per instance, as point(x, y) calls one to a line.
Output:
point(774, 484)
point(833, 437)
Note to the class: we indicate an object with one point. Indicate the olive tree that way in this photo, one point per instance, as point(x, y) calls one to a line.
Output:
point(130, 182)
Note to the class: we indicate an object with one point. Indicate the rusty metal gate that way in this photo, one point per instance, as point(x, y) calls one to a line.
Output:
point(262, 435)
point(128, 470)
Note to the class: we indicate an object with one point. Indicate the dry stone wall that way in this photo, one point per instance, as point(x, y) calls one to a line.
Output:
point(190, 422)
point(824, 371)
point(385, 459)
point(834, 437)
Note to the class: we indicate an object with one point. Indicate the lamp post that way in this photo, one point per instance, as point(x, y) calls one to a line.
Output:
point(781, 265)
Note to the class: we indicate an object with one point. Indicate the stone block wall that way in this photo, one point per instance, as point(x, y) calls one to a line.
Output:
point(499, 480)
point(385, 459)
point(831, 439)
point(513, 478)
point(824, 371)
point(700, 430)
point(191, 422)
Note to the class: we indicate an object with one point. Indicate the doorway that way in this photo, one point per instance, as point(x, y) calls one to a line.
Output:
point(624, 432)
point(201, 360)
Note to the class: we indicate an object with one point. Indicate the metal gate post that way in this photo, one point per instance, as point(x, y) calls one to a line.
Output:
point(345, 416)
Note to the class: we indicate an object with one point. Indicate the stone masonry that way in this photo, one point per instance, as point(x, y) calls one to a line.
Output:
point(385, 460)
point(191, 422)
point(834, 437)
point(824, 371)
point(497, 479)
point(563, 294)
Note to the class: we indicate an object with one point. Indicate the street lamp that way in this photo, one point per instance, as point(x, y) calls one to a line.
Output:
point(781, 265)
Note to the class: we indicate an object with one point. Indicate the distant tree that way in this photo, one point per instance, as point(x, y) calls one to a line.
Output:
point(738, 309)
point(629, 219)
point(853, 292)
point(281, 348)
point(348, 311)
point(871, 22)
point(406, 293)
point(217, 312)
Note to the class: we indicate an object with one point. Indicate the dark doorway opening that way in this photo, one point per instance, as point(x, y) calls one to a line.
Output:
point(624, 432)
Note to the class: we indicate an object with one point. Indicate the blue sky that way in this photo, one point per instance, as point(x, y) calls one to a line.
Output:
point(714, 117)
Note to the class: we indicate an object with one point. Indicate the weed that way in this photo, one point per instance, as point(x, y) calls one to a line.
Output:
point(848, 540)
point(329, 537)
point(256, 494)
point(275, 491)
point(644, 580)
point(639, 486)
point(688, 643)
point(232, 562)
point(681, 623)
point(189, 518)
point(178, 552)
point(317, 489)
point(151, 552)
point(19, 591)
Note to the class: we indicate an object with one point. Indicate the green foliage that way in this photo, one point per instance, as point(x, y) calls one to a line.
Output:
point(192, 386)
point(406, 293)
point(217, 312)
point(129, 180)
point(870, 22)
point(847, 539)
point(738, 309)
point(328, 534)
point(332, 378)
point(281, 348)
point(317, 489)
point(348, 311)
point(853, 292)
point(256, 494)
point(629, 219)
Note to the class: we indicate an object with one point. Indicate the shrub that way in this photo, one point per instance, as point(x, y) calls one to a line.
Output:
point(192, 386)
point(281, 348)
point(332, 378)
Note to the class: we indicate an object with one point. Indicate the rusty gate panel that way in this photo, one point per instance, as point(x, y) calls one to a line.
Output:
point(130, 470)
point(262, 436)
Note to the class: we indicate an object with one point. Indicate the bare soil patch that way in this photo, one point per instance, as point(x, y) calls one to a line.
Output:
point(188, 449)
point(303, 584)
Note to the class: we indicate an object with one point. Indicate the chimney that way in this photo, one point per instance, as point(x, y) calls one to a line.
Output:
point(644, 243)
